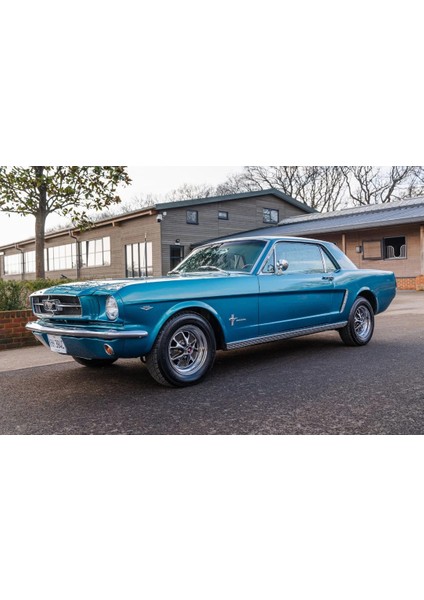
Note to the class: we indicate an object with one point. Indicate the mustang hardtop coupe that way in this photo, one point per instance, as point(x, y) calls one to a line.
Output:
point(225, 295)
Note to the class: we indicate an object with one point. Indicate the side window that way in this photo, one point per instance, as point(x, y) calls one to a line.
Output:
point(329, 264)
point(302, 258)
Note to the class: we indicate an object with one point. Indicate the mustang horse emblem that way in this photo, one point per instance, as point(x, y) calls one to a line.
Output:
point(52, 305)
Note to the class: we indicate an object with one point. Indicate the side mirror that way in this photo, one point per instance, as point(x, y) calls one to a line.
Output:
point(282, 265)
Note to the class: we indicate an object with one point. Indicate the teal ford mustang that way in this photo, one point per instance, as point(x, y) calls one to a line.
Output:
point(227, 294)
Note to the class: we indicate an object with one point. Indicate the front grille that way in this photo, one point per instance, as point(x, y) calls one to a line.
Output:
point(57, 306)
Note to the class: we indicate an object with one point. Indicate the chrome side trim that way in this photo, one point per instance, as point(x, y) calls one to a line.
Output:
point(103, 334)
point(284, 335)
point(343, 306)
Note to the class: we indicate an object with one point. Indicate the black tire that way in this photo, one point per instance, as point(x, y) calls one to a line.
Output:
point(94, 363)
point(360, 326)
point(184, 351)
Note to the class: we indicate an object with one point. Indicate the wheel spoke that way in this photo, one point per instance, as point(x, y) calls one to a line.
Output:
point(188, 350)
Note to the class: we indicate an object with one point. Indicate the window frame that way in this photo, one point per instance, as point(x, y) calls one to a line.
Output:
point(223, 215)
point(195, 213)
point(380, 241)
point(393, 237)
point(323, 253)
point(270, 211)
point(138, 270)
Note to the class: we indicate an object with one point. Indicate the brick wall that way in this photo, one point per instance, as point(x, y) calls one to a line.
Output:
point(410, 283)
point(12, 329)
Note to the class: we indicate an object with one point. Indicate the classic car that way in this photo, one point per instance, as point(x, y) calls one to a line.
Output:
point(225, 295)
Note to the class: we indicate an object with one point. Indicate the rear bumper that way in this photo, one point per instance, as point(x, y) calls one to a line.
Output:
point(102, 334)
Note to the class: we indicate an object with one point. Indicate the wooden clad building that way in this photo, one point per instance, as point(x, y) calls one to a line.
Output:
point(150, 241)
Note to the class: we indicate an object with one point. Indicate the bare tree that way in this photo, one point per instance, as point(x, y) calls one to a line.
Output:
point(321, 188)
point(377, 185)
point(190, 191)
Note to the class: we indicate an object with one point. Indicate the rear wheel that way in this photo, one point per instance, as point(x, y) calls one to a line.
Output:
point(184, 351)
point(360, 326)
point(94, 363)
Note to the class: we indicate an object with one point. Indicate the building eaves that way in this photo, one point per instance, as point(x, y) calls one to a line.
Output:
point(68, 230)
point(401, 214)
point(212, 199)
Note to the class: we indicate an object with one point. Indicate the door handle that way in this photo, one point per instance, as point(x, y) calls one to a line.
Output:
point(328, 278)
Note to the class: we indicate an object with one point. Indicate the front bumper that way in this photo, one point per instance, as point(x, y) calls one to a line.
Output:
point(102, 334)
point(94, 342)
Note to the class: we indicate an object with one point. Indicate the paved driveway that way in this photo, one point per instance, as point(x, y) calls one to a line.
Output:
point(311, 385)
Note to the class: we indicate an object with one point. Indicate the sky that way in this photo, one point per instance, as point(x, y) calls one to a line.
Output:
point(145, 180)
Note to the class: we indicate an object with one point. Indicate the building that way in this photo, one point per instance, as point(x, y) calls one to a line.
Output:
point(379, 236)
point(158, 237)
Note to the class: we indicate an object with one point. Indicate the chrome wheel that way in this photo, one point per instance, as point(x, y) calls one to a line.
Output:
point(184, 350)
point(360, 326)
point(362, 322)
point(187, 350)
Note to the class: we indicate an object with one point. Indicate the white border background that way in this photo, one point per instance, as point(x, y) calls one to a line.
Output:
point(195, 84)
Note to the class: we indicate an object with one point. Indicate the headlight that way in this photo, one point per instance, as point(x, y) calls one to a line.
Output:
point(112, 310)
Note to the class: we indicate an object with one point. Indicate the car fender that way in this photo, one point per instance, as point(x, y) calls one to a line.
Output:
point(181, 307)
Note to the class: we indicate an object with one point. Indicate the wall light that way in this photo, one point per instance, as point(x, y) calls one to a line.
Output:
point(358, 249)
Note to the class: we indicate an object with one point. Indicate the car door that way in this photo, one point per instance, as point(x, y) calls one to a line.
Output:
point(301, 293)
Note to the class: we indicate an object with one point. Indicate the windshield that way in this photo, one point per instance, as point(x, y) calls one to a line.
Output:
point(227, 257)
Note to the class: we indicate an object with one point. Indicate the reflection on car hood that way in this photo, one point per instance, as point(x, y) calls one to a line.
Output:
point(85, 288)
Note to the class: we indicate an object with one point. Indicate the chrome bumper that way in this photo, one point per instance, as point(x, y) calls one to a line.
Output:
point(104, 334)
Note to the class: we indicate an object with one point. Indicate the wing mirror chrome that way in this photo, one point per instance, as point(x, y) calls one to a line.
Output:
point(282, 265)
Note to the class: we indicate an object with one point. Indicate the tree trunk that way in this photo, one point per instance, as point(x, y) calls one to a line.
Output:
point(40, 223)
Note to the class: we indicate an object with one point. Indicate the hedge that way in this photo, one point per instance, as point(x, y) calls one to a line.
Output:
point(14, 295)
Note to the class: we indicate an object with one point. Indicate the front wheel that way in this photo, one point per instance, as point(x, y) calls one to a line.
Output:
point(184, 351)
point(360, 326)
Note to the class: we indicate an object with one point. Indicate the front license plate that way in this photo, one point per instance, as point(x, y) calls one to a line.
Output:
point(56, 344)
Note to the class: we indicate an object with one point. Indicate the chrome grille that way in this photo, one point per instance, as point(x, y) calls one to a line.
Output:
point(57, 306)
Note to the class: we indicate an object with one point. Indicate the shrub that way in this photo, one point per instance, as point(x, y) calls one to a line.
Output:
point(14, 295)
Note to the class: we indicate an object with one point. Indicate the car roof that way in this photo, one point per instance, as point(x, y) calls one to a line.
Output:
point(264, 238)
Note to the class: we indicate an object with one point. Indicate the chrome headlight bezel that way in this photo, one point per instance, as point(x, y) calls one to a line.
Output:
point(111, 308)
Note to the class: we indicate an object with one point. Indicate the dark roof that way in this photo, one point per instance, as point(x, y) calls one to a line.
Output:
point(210, 200)
point(365, 217)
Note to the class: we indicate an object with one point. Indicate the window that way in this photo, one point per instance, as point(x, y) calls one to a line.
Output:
point(30, 262)
point(302, 258)
point(95, 253)
point(135, 259)
point(372, 250)
point(61, 257)
point(270, 215)
point(12, 264)
point(394, 247)
point(176, 255)
point(223, 214)
point(390, 248)
point(192, 217)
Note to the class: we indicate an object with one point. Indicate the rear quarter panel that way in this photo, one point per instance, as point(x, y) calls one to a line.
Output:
point(381, 284)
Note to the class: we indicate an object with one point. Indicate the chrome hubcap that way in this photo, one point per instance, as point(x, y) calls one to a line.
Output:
point(188, 350)
point(362, 322)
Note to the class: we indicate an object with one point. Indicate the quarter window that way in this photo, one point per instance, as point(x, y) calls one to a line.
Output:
point(270, 215)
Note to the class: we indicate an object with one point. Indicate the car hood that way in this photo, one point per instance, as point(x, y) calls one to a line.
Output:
point(86, 288)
